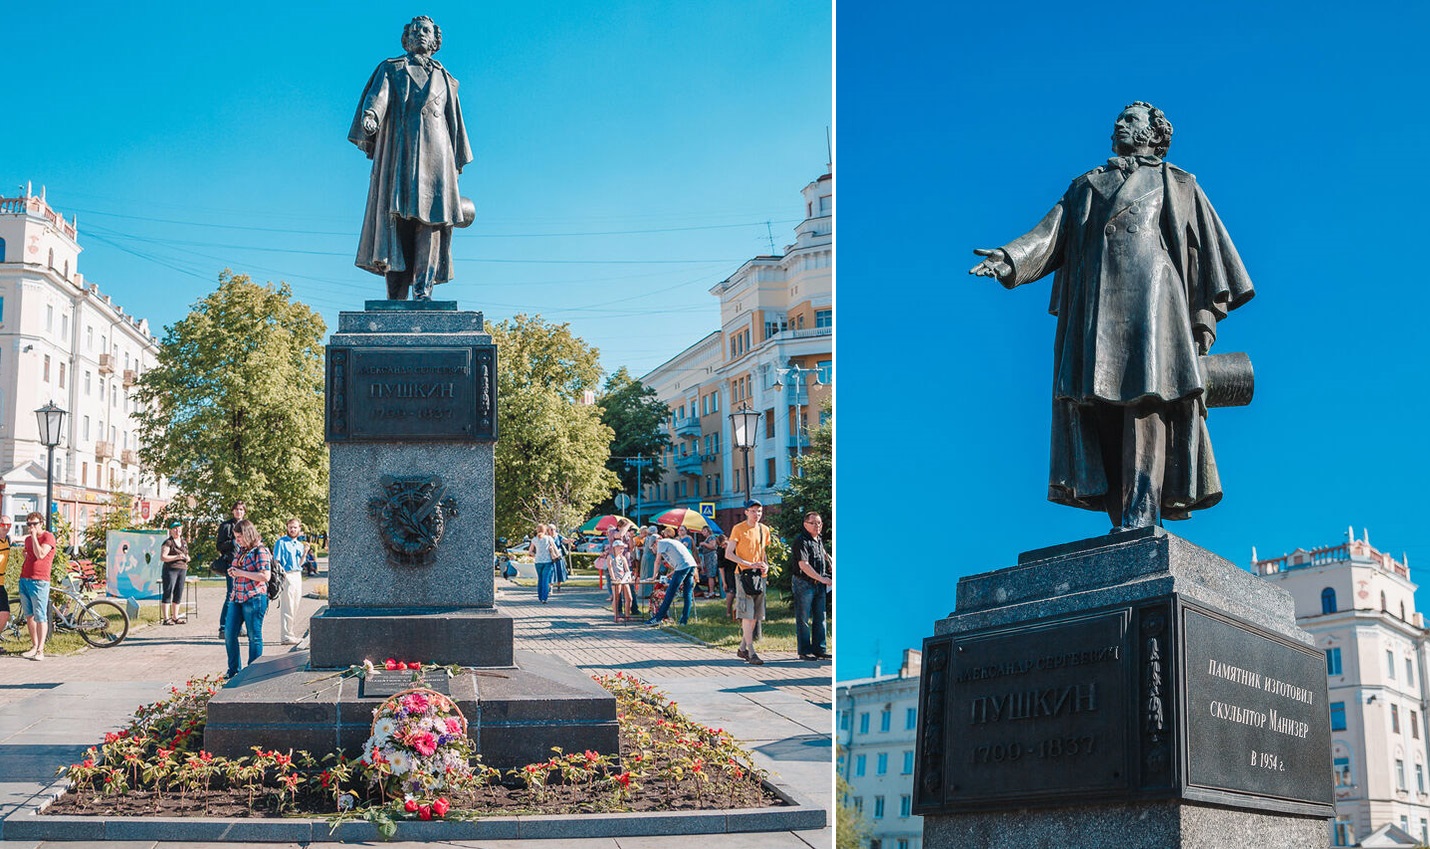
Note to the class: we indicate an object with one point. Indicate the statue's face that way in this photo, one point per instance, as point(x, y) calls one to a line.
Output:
point(1132, 132)
point(421, 38)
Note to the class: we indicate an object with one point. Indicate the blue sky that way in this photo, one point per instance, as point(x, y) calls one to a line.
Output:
point(960, 126)
point(628, 154)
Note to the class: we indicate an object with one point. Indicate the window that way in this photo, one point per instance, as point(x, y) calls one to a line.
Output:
point(1338, 716)
point(1341, 768)
point(770, 472)
point(1399, 774)
point(1328, 600)
point(863, 723)
point(906, 805)
point(859, 806)
point(1390, 664)
point(89, 337)
point(47, 368)
point(1414, 725)
point(881, 767)
point(84, 474)
point(50, 318)
point(844, 720)
point(904, 841)
point(826, 371)
point(824, 318)
point(909, 762)
point(911, 719)
point(860, 765)
point(85, 432)
point(1383, 608)
point(1333, 661)
point(769, 424)
point(886, 719)
point(1342, 833)
point(1420, 778)
point(1409, 667)
point(878, 807)
point(86, 381)
point(1395, 719)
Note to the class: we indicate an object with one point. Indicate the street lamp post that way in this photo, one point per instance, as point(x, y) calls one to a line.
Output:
point(51, 420)
point(639, 462)
point(744, 423)
point(797, 375)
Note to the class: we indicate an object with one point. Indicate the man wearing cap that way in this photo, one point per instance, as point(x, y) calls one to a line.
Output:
point(288, 553)
point(748, 541)
point(174, 554)
point(682, 565)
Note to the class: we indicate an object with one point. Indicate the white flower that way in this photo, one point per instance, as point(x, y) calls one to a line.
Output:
point(401, 762)
point(382, 730)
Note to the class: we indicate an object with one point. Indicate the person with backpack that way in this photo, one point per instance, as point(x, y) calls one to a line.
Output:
point(248, 602)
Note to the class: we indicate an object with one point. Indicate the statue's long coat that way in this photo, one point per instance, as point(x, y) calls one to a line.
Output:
point(1127, 304)
point(419, 149)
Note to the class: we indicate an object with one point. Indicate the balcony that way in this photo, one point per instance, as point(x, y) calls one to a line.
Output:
point(688, 464)
point(106, 364)
point(801, 441)
point(688, 426)
point(129, 457)
point(103, 450)
point(130, 377)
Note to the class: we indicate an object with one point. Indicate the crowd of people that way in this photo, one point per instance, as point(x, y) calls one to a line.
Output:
point(658, 564)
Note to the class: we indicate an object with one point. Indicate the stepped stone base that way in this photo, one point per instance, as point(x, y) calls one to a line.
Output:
point(514, 715)
point(465, 636)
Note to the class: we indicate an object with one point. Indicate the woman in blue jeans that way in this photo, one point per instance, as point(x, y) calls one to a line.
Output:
point(543, 549)
point(247, 604)
point(682, 565)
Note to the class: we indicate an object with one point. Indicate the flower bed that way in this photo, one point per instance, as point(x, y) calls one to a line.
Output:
point(156, 767)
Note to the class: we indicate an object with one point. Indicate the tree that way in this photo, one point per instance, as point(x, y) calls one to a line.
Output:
point(812, 488)
point(117, 515)
point(551, 450)
point(850, 828)
point(234, 408)
point(634, 414)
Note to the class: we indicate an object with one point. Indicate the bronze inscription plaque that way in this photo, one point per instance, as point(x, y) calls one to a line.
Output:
point(1257, 716)
point(1037, 712)
point(411, 393)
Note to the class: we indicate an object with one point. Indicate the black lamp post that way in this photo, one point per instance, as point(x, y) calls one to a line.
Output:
point(51, 420)
point(745, 422)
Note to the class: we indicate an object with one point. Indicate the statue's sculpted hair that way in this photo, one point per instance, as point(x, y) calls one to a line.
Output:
point(436, 31)
point(1156, 119)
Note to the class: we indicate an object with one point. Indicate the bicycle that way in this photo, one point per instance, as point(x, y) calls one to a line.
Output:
point(74, 607)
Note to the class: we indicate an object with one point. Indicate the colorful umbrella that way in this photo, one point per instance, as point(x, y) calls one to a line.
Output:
point(684, 517)
point(599, 524)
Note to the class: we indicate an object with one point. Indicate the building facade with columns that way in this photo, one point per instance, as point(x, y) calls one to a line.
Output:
point(877, 731)
point(773, 354)
point(1359, 605)
point(64, 341)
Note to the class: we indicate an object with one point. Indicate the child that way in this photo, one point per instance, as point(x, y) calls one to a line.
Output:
point(620, 565)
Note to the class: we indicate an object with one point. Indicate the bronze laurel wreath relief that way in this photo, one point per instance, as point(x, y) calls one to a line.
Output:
point(411, 516)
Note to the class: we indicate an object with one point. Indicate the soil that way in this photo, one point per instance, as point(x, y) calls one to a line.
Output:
point(652, 793)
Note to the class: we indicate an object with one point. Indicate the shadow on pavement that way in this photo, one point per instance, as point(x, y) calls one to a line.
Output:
point(807, 747)
point(37, 763)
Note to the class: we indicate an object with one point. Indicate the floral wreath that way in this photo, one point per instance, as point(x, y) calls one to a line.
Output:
point(418, 742)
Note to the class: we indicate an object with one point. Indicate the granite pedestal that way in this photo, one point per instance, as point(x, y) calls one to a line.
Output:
point(1131, 690)
point(411, 421)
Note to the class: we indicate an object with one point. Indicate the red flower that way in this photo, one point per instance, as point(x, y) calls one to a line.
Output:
point(410, 806)
point(87, 763)
point(205, 756)
point(425, 812)
point(441, 806)
point(390, 664)
point(624, 779)
point(325, 778)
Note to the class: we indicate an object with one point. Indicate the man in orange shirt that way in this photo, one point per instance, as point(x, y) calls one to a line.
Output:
point(746, 548)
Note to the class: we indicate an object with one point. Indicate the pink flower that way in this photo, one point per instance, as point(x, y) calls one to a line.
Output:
point(415, 703)
point(454, 725)
point(424, 743)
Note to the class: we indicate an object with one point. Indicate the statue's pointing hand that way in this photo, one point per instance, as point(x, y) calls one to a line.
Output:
point(996, 265)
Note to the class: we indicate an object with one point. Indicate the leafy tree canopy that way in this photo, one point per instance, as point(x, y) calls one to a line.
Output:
point(234, 408)
point(552, 448)
point(634, 414)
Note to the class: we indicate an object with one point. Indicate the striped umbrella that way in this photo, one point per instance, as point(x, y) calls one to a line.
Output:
point(599, 524)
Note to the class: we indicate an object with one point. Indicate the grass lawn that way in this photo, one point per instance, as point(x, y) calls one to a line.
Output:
point(712, 626)
point(68, 642)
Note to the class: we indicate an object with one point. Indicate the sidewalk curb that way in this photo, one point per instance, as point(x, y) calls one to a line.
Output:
point(29, 823)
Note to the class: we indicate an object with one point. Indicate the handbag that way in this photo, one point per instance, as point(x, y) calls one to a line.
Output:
point(752, 582)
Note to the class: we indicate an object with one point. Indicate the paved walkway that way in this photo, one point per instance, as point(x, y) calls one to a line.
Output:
point(52, 710)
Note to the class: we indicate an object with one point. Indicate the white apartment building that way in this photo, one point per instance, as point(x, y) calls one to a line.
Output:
point(776, 312)
point(878, 727)
point(62, 340)
point(1359, 605)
